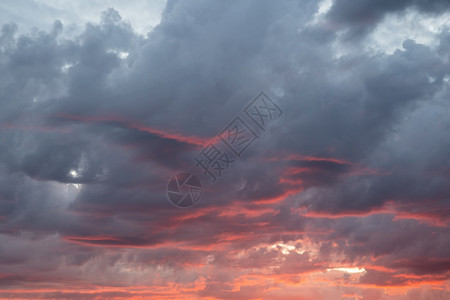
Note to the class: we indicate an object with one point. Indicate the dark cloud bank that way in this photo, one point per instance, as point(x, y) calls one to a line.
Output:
point(362, 148)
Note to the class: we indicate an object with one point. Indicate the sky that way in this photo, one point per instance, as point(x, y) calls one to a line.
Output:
point(306, 144)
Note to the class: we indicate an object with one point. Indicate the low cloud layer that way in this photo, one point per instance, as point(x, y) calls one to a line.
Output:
point(344, 196)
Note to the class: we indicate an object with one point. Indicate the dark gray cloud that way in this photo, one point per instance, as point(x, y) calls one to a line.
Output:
point(360, 17)
point(92, 128)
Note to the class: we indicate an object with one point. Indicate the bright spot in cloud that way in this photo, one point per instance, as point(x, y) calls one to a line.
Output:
point(324, 7)
point(348, 270)
point(75, 174)
point(390, 34)
point(120, 54)
point(123, 55)
point(66, 67)
point(285, 249)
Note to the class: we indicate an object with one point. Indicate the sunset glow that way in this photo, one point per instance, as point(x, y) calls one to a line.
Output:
point(235, 150)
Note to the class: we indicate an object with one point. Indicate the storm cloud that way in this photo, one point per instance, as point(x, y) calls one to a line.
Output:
point(346, 194)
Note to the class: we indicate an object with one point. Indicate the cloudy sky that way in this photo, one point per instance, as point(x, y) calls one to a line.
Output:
point(342, 187)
